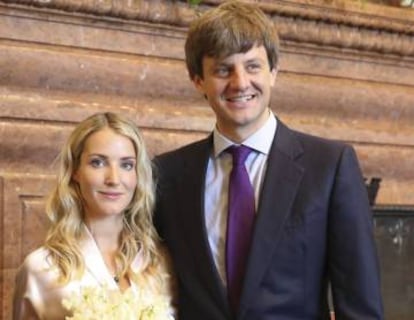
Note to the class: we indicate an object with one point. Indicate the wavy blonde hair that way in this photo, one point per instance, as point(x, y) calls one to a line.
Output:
point(66, 212)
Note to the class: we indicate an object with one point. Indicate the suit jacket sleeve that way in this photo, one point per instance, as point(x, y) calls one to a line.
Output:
point(353, 261)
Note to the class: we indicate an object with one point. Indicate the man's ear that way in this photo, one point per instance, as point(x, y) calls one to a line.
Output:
point(198, 83)
point(273, 75)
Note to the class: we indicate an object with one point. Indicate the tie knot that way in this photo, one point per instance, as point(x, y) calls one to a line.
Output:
point(239, 153)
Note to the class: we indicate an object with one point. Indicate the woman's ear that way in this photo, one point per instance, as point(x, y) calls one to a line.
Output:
point(75, 176)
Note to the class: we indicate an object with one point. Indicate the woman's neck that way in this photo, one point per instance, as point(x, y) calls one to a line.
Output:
point(106, 233)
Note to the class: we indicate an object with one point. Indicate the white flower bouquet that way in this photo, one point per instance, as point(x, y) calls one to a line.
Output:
point(100, 303)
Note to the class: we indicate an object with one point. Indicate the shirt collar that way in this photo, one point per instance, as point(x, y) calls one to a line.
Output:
point(260, 141)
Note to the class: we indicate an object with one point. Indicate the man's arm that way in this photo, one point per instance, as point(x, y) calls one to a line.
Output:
point(353, 263)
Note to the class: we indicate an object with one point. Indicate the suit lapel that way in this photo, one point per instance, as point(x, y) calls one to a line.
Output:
point(279, 189)
point(194, 221)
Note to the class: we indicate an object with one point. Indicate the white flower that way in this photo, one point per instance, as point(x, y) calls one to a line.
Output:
point(100, 303)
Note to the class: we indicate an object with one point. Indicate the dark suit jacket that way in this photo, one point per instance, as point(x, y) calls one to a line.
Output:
point(313, 226)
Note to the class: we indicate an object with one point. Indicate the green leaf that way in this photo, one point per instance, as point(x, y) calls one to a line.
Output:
point(194, 2)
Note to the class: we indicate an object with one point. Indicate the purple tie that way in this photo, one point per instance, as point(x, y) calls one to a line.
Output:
point(239, 224)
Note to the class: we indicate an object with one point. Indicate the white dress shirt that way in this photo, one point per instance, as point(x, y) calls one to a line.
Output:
point(217, 183)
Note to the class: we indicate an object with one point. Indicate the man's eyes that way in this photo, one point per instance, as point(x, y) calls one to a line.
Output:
point(253, 67)
point(226, 71)
point(222, 72)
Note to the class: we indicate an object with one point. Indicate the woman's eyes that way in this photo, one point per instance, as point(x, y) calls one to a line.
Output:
point(129, 165)
point(99, 163)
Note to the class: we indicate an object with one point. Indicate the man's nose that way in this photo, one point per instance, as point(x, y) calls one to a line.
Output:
point(239, 79)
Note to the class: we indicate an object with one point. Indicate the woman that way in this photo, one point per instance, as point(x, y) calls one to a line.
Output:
point(101, 232)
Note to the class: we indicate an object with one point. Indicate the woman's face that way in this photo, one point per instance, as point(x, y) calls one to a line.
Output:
point(106, 175)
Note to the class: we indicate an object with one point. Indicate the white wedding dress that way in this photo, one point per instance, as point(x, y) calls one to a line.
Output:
point(38, 295)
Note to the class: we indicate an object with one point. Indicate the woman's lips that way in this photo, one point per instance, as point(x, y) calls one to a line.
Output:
point(111, 195)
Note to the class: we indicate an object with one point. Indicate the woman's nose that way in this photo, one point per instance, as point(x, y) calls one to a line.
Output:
point(112, 176)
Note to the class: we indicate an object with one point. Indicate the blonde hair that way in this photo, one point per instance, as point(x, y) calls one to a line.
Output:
point(232, 27)
point(65, 209)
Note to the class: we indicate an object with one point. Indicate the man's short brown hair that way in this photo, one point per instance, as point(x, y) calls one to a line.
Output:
point(230, 28)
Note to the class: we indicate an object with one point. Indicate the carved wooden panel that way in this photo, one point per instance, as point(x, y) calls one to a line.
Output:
point(23, 226)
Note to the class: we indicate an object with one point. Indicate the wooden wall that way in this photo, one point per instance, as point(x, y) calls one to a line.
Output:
point(347, 73)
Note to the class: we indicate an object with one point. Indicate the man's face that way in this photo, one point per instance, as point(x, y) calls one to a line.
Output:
point(238, 89)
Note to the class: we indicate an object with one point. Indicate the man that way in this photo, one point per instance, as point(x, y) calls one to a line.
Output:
point(312, 227)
